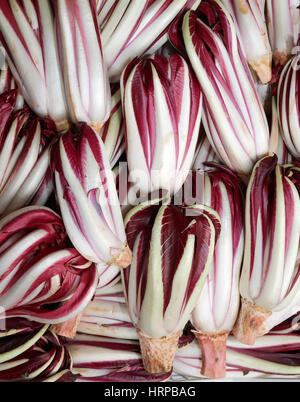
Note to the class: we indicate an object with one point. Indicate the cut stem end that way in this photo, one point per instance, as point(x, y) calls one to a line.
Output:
point(158, 353)
point(250, 323)
point(123, 259)
point(68, 328)
point(213, 348)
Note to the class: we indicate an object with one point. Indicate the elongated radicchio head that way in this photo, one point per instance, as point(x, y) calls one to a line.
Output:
point(40, 278)
point(83, 69)
point(270, 276)
point(133, 28)
point(217, 308)
point(231, 105)
point(28, 36)
point(172, 252)
point(55, 55)
point(88, 199)
point(162, 106)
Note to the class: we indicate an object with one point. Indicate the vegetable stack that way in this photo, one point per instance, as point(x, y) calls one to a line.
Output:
point(149, 190)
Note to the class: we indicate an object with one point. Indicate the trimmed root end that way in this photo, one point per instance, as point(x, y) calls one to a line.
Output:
point(68, 328)
point(158, 353)
point(250, 323)
point(213, 348)
point(123, 259)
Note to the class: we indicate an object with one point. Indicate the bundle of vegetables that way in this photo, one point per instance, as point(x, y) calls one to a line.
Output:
point(172, 251)
point(132, 28)
point(102, 359)
point(270, 273)
point(54, 52)
point(233, 116)
point(33, 354)
point(120, 274)
point(41, 279)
